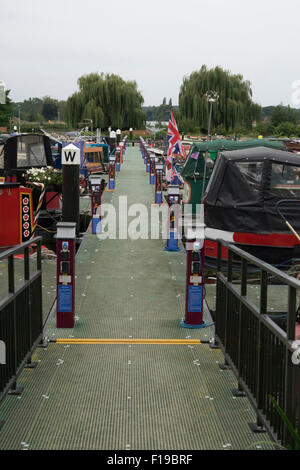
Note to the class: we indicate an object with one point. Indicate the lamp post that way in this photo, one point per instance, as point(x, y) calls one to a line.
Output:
point(212, 97)
point(19, 107)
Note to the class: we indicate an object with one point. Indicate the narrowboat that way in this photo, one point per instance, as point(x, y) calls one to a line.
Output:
point(250, 195)
point(196, 174)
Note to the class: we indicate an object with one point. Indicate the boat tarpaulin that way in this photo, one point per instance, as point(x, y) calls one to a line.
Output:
point(245, 187)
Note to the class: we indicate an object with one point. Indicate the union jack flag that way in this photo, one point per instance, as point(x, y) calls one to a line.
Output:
point(175, 147)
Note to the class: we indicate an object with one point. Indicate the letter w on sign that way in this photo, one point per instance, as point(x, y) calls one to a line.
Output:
point(70, 156)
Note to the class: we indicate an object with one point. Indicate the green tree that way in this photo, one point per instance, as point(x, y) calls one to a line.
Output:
point(108, 100)
point(49, 109)
point(6, 111)
point(233, 109)
point(285, 129)
point(31, 109)
point(40, 109)
point(282, 114)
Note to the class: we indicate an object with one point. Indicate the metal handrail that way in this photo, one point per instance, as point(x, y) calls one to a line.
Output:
point(258, 350)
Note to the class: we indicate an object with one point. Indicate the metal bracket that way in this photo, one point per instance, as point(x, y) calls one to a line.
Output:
point(236, 392)
point(31, 365)
point(256, 428)
point(16, 391)
point(224, 367)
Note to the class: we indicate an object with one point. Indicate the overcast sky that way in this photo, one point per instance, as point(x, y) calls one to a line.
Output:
point(45, 46)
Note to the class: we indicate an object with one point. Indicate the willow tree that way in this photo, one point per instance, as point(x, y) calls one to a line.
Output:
point(108, 100)
point(233, 109)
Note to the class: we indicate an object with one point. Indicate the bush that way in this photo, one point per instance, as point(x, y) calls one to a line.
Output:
point(285, 129)
point(36, 126)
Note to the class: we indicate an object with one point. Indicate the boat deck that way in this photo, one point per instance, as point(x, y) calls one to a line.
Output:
point(128, 396)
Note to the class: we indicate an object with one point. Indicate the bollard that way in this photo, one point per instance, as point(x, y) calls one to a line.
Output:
point(172, 229)
point(65, 274)
point(194, 277)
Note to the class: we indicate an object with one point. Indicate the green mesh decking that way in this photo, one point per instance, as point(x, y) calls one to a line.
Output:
point(118, 397)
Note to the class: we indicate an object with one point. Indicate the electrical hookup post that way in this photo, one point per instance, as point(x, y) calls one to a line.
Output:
point(152, 169)
point(112, 173)
point(65, 275)
point(118, 158)
point(159, 168)
point(67, 232)
point(97, 188)
point(195, 237)
point(172, 228)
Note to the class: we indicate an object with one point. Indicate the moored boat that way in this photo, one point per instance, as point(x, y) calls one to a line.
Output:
point(196, 174)
point(241, 203)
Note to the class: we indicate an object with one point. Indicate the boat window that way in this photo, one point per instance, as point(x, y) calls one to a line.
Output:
point(1, 156)
point(31, 151)
point(93, 157)
point(252, 172)
point(285, 180)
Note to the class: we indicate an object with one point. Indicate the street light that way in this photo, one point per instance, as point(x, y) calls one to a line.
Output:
point(19, 106)
point(211, 96)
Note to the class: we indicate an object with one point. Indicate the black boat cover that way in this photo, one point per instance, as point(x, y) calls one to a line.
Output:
point(24, 151)
point(245, 187)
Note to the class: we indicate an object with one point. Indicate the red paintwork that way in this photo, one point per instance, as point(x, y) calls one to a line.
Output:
point(11, 215)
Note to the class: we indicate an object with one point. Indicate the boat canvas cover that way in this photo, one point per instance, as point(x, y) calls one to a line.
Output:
point(194, 167)
point(245, 187)
point(25, 151)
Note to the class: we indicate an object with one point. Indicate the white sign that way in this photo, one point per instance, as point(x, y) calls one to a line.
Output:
point(195, 279)
point(70, 155)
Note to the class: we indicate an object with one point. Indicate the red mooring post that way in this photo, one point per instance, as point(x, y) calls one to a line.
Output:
point(194, 277)
point(97, 187)
point(172, 228)
point(65, 274)
point(159, 168)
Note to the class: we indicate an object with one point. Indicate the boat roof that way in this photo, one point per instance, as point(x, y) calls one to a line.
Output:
point(261, 153)
point(224, 144)
point(194, 166)
point(22, 151)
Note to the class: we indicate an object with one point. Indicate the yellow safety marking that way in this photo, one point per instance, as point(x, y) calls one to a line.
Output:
point(125, 341)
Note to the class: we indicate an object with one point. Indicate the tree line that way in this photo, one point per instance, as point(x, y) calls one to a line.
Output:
point(159, 113)
point(108, 100)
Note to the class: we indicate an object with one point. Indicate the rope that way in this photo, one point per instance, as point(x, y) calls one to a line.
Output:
point(46, 230)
